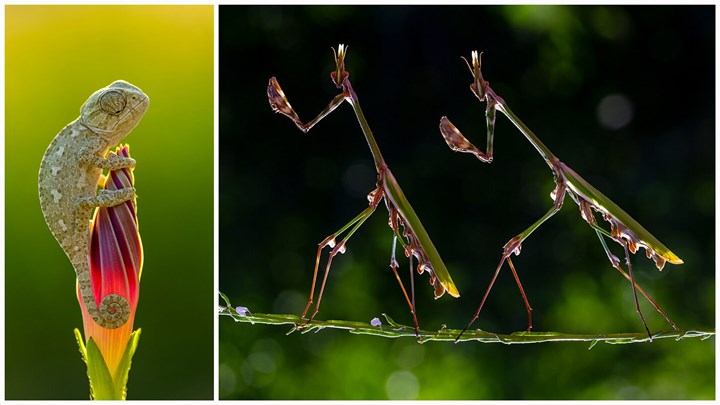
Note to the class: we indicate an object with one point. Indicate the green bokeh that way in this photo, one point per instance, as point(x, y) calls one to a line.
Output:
point(282, 192)
point(55, 58)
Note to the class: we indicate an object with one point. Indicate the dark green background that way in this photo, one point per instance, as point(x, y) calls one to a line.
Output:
point(56, 57)
point(281, 192)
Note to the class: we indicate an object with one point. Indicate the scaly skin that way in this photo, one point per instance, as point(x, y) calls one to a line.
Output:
point(68, 180)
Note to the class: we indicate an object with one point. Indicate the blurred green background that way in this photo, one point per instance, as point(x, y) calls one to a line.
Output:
point(623, 95)
point(55, 58)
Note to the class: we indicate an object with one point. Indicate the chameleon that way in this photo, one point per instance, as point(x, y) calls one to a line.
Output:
point(68, 180)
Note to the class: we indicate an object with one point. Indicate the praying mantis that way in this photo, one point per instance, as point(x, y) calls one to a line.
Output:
point(414, 238)
point(623, 228)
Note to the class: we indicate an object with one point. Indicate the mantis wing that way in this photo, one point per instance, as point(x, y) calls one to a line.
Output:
point(622, 223)
point(427, 254)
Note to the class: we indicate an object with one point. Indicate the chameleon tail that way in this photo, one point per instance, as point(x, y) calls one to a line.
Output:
point(114, 309)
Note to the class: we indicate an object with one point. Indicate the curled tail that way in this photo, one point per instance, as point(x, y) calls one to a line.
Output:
point(114, 310)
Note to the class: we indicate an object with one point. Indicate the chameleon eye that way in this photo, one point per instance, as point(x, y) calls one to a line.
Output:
point(112, 102)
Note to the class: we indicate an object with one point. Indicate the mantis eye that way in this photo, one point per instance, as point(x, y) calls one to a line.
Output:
point(113, 102)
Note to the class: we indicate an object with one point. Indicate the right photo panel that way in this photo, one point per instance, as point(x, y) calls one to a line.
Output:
point(467, 202)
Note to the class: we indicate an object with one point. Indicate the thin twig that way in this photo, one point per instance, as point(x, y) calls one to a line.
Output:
point(395, 330)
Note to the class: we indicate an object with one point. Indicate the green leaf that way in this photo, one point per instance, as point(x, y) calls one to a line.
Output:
point(81, 345)
point(101, 383)
point(123, 370)
point(225, 298)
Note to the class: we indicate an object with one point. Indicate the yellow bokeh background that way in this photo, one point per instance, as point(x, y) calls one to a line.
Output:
point(55, 57)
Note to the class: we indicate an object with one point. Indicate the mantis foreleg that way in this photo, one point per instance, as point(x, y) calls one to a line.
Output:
point(280, 104)
point(457, 141)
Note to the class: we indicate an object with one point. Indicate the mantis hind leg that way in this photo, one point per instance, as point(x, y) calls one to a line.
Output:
point(522, 292)
point(615, 262)
point(410, 301)
point(587, 214)
point(632, 282)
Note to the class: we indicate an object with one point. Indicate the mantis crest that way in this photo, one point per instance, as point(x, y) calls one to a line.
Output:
point(624, 230)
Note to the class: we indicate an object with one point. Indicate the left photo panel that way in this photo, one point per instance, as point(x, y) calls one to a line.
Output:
point(109, 202)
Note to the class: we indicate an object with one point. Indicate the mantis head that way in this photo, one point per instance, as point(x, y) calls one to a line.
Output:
point(112, 112)
point(339, 75)
point(478, 85)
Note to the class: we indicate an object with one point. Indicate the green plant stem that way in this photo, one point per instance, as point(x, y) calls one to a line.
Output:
point(395, 330)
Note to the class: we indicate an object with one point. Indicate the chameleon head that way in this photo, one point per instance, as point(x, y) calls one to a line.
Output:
point(114, 111)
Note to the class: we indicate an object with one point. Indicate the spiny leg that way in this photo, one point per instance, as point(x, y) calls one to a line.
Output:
point(587, 214)
point(616, 264)
point(330, 241)
point(522, 292)
point(453, 136)
point(482, 302)
point(632, 282)
point(411, 304)
point(280, 104)
point(394, 265)
point(340, 247)
point(515, 244)
point(412, 292)
point(457, 141)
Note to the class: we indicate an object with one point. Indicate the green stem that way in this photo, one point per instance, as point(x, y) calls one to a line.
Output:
point(394, 330)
